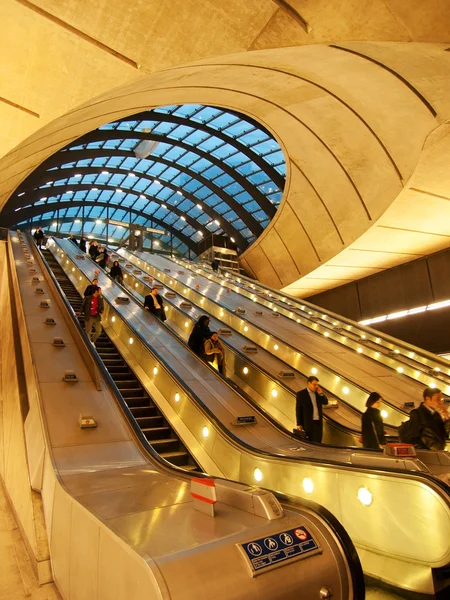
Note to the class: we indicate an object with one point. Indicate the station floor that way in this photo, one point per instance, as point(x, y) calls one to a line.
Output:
point(18, 581)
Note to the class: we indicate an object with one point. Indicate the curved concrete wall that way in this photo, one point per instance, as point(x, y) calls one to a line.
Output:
point(352, 121)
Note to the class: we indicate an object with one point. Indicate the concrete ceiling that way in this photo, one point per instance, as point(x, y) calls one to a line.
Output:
point(61, 53)
point(352, 117)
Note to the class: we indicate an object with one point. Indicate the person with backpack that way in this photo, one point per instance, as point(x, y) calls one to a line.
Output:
point(39, 237)
point(372, 423)
point(425, 428)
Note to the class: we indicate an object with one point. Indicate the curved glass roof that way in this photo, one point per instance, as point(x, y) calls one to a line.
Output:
point(207, 171)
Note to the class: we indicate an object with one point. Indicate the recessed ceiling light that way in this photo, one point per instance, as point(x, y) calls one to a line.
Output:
point(105, 172)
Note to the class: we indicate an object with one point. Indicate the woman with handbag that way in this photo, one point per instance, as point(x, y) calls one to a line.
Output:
point(372, 424)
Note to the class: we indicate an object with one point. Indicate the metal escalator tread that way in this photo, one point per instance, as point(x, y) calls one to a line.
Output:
point(147, 415)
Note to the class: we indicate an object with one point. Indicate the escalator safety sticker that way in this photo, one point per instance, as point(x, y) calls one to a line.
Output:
point(277, 549)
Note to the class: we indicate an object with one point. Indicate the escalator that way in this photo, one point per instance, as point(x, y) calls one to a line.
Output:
point(151, 421)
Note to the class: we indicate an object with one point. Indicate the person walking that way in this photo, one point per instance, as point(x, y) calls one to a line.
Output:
point(200, 332)
point(309, 403)
point(372, 423)
point(213, 352)
point(39, 237)
point(92, 308)
point(215, 265)
point(82, 244)
point(154, 304)
point(116, 272)
point(73, 239)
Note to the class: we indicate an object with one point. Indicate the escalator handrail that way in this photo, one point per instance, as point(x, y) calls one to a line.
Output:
point(345, 543)
point(244, 394)
point(104, 372)
point(364, 328)
point(430, 479)
point(287, 344)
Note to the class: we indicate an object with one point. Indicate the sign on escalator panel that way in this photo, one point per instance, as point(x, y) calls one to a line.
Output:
point(277, 549)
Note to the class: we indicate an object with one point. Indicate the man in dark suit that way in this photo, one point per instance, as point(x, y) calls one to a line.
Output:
point(309, 410)
point(427, 429)
point(154, 304)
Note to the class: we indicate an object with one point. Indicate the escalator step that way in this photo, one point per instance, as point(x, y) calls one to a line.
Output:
point(134, 402)
point(149, 418)
point(129, 384)
point(157, 433)
point(147, 411)
point(176, 458)
point(149, 422)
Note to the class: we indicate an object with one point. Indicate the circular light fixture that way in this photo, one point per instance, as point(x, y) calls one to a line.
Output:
point(130, 341)
point(205, 432)
point(113, 319)
point(399, 369)
point(365, 496)
point(177, 397)
point(245, 370)
point(275, 347)
point(346, 390)
point(384, 414)
point(257, 474)
point(274, 393)
point(308, 485)
point(314, 371)
point(155, 370)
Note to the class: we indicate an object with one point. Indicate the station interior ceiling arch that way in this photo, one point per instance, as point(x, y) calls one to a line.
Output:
point(358, 104)
point(205, 171)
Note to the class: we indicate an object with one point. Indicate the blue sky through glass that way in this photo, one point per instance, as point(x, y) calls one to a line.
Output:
point(209, 171)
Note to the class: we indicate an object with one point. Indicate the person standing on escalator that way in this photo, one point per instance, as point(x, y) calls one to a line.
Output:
point(155, 304)
point(93, 249)
point(90, 289)
point(372, 424)
point(309, 405)
point(116, 272)
point(214, 353)
point(39, 237)
point(92, 308)
point(200, 332)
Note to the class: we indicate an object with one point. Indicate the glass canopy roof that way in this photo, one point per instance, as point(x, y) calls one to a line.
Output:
point(208, 171)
